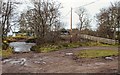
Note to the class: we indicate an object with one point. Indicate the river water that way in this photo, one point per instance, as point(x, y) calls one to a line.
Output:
point(21, 46)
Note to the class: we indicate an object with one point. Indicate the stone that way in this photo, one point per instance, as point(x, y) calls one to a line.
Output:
point(37, 62)
point(15, 62)
point(22, 63)
point(68, 54)
point(108, 58)
point(7, 60)
point(41, 59)
point(88, 65)
point(99, 63)
point(44, 62)
point(25, 64)
point(23, 60)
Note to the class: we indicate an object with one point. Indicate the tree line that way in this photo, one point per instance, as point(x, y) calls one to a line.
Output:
point(44, 20)
point(108, 22)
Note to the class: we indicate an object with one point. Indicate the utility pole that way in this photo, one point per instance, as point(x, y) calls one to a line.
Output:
point(71, 27)
point(71, 20)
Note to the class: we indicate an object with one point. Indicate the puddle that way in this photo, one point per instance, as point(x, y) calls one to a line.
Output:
point(21, 46)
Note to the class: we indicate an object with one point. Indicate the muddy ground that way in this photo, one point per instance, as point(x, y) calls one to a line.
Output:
point(62, 61)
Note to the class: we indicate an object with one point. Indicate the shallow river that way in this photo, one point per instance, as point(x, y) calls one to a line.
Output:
point(21, 46)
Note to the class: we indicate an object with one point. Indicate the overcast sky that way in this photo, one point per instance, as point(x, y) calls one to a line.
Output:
point(92, 9)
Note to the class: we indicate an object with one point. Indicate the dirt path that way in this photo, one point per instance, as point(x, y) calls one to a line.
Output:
point(59, 62)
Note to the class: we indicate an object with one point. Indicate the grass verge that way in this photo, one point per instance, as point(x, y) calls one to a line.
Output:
point(96, 53)
point(6, 53)
point(54, 47)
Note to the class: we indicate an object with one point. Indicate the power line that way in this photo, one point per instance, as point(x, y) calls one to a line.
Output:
point(80, 6)
point(87, 4)
point(66, 14)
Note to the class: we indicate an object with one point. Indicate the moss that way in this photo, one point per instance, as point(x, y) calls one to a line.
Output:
point(96, 53)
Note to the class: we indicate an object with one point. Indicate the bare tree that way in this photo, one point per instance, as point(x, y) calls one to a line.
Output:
point(104, 24)
point(107, 21)
point(6, 11)
point(115, 13)
point(83, 18)
point(43, 20)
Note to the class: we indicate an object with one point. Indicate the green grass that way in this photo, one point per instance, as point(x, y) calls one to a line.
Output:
point(50, 48)
point(54, 47)
point(44, 49)
point(6, 53)
point(96, 53)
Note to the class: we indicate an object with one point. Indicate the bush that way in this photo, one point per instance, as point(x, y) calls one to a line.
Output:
point(35, 48)
point(11, 39)
point(7, 53)
point(5, 45)
point(31, 40)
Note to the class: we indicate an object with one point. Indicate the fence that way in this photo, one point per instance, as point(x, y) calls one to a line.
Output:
point(98, 39)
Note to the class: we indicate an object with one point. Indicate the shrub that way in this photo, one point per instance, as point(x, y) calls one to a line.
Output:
point(7, 53)
point(31, 40)
point(35, 48)
point(5, 45)
point(11, 39)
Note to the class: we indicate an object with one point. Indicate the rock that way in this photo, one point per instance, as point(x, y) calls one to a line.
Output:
point(23, 60)
point(88, 65)
point(25, 64)
point(37, 62)
point(41, 59)
point(68, 54)
point(22, 63)
point(99, 63)
point(44, 62)
point(7, 60)
point(35, 56)
point(108, 58)
point(15, 62)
